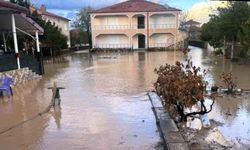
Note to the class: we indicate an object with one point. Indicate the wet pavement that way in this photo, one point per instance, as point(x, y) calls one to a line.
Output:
point(104, 105)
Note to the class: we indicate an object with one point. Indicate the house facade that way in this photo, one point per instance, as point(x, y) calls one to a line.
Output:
point(191, 23)
point(59, 21)
point(135, 24)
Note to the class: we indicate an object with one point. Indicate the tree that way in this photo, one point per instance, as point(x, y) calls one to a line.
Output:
point(184, 18)
point(244, 36)
point(82, 21)
point(226, 23)
point(78, 37)
point(52, 36)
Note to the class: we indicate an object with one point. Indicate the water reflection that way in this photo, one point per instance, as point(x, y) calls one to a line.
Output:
point(57, 115)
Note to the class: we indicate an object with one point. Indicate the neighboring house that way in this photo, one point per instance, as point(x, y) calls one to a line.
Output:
point(194, 33)
point(59, 21)
point(135, 24)
point(191, 23)
point(193, 29)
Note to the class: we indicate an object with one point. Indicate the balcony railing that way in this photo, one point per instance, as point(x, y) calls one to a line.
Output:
point(111, 27)
point(134, 26)
point(162, 26)
point(112, 46)
point(160, 45)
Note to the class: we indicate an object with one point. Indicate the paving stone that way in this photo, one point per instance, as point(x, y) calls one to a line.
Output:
point(174, 137)
point(168, 125)
point(155, 99)
point(178, 146)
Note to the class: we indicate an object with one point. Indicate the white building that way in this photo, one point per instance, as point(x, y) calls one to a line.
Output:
point(135, 24)
point(59, 21)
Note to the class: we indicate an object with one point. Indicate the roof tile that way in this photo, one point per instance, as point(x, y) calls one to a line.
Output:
point(135, 6)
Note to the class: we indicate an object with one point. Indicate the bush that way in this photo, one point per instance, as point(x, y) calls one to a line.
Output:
point(181, 86)
point(227, 79)
point(218, 52)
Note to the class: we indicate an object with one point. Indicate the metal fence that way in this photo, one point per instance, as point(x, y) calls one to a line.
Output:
point(111, 27)
point(162, 26)
point(158, 45)
point(112, 46)
point(8, 62)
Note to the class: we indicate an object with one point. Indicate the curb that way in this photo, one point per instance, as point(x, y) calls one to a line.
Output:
point(170, 134)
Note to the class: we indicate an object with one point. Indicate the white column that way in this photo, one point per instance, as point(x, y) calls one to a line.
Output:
point(4, 42)
point(15, 40)
point(37, 42)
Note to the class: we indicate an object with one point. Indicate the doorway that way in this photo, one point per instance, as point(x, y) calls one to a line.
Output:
point(141, 41)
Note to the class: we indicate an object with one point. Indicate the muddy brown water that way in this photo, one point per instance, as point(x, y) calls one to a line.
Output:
point(104, 105)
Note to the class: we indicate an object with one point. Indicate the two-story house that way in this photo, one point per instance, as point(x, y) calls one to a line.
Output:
point(135, 24)
point(59, 21)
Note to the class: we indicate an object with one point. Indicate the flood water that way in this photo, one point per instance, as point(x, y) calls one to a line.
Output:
point(104, 105)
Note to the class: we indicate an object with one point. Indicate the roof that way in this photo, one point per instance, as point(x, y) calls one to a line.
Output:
point(4, 5)
point(191, 22)
point(46, 13)
point(135, 6)
point(23, 23)
point(54, 15)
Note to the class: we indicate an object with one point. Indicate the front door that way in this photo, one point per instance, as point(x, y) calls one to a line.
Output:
point(141, 41)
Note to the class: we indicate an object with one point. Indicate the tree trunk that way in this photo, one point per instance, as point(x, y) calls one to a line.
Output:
point(232, 50)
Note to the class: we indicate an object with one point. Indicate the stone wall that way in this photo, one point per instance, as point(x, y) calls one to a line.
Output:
point(169, 132)
point(20, 76)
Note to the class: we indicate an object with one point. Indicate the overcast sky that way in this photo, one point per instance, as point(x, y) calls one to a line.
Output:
point(68, 8)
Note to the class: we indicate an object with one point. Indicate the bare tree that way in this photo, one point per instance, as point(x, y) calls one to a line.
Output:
point(82, 21)
point(184, 17)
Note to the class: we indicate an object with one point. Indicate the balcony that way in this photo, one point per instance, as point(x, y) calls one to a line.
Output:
point(134, 26)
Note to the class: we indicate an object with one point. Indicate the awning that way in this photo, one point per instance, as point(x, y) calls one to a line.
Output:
point(22, 22)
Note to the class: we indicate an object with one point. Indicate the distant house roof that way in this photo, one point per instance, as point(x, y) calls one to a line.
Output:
point(43, 11)
point(192, 22)
point(54, 15)
point(135, 6)
point(12, 7)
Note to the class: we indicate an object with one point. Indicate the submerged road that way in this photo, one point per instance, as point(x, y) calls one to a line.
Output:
point(104, 105)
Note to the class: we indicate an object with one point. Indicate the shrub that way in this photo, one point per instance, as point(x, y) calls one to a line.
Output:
point(181, 86)
point(227, 79)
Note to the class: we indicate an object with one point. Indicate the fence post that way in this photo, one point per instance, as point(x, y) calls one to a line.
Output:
point(56, 98)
